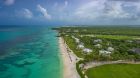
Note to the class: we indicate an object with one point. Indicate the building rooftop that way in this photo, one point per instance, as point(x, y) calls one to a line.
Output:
point(110, 49)
point(80, 46)
point(98, 45)
point(104, 52)
point(97, 41)
point(136, 50)
point(87, 50)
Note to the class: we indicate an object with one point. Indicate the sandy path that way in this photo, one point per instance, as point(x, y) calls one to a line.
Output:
point(100, 63)
point(69, 61)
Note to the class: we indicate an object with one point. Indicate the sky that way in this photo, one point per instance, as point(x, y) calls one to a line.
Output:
point(69, 12)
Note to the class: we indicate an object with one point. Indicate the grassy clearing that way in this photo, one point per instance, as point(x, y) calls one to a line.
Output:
point(115, 71)
point(118, 37)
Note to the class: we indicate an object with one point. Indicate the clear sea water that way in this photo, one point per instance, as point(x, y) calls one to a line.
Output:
point(29, 52)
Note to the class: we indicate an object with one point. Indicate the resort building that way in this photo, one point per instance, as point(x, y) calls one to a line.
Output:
point(87, 50)
point(85, 30)
point(129, 41)
point(98, 45)
point(104, 52)
point(97, 41)
point(80, 46)
point(110, 49)
point(76, 39)
point(138, 41)
point(76, 31)
point(68, 30)
point(135, 50)
point(67, 35)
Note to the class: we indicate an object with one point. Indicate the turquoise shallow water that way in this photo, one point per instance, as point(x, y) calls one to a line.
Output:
point(29, 52)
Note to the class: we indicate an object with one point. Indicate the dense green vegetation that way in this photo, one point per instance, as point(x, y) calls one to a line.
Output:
point(134, 31)
point(73, 46)
point(122, 40)
point(121, 48)
point(79, 70)
point(115, 71)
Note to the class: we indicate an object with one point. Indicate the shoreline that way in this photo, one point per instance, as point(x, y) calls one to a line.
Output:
point(68, 60)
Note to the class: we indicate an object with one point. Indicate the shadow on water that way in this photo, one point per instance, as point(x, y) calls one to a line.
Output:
point(27, 52)
point(9, 76)
point(27, 74)
point(3, 68)
point(25, 63)
point(5, 46)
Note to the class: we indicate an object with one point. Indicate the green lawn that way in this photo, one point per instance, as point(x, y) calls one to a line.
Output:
point(119, 37)
point(115, 71)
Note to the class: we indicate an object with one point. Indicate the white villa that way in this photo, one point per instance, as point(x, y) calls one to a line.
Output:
point(85, 30)
point(68, 30)
point(72, 36)
point(104, 52)
point(76, 39)
point(98, 45)
point(76, 31)
point(67, 35)
point(87, 50)
point(97, 41)
point(110, 49)
point(80, 46)
point(129, 41)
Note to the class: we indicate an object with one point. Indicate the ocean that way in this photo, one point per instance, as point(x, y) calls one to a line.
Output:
point(29, 52)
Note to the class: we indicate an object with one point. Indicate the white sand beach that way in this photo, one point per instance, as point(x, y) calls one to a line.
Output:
point(69, 61)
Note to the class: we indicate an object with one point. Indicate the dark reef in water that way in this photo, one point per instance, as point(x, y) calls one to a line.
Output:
point(27, 74)
point(9, 76)
point(3, 67)
point(24, 64)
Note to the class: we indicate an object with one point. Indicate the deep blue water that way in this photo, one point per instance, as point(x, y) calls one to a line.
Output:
point(29, 52)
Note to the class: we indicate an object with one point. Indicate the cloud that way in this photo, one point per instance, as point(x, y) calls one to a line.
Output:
point(116, 11)
point(44, 12)
point(109, 9)
point(126, 0)
point(27, 13)
point(24, 13)
point(65, 3)
point(61, 7)
point(55, 4)
point(91, 10)
point(9, 2)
